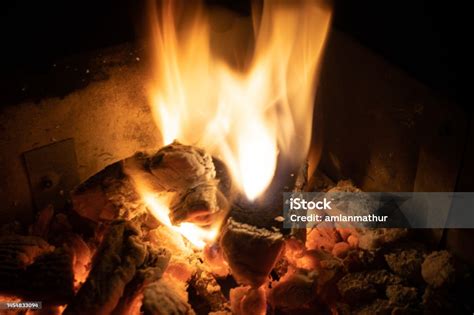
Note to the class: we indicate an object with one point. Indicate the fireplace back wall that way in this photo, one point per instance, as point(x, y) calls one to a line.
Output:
point(108, 119)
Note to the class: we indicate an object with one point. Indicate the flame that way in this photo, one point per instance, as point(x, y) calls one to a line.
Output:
point(245, 115)
point(158, 205)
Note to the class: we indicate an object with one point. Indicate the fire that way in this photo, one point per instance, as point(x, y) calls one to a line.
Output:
point(198, 236)
point(248, 115)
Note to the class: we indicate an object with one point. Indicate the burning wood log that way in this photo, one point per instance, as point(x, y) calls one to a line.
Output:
point(106, 196)
point(152, 269)
point(251, 241)
point(187, 173)
point(122, 257)
point(251, 252)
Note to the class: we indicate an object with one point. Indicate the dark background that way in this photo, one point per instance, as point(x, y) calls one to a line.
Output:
point(425, 38)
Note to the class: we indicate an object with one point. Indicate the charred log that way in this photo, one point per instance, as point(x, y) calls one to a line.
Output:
point(51, 278)
point(208, 291)
point(21, 251)
point(31, 268)
point(165, 297)
point(251, 252)
point(151, 270)
point(187, 173)
point(121, 257)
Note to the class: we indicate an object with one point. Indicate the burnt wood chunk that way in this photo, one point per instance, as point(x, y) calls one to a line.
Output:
point(209, 292)
point(401, 295)
point(372, 239)
point(189, 173)
point(359, 287)
point(250, 251)
point(106, 196)
point(186, 173)
point(20, 251)
point(355, 288)
point(165, 297)
point(152, 270)
point(51, 278)
point(292, 292)
point(406, 262)
point(439, 270)
point(33, 269)
point(122, 257)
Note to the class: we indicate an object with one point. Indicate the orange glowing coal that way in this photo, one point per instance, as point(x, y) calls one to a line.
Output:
point(246, 114)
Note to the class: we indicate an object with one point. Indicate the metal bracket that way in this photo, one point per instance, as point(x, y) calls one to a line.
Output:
point(52, 173)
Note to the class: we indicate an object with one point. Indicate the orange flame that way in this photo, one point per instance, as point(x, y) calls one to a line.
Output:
point(198, 236)
point(245, 116)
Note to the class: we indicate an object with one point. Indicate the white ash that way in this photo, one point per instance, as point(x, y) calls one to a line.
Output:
point(438, 269)
point(371, 239)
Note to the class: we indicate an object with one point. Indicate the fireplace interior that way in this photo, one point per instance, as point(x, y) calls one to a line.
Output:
point(102, 214)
